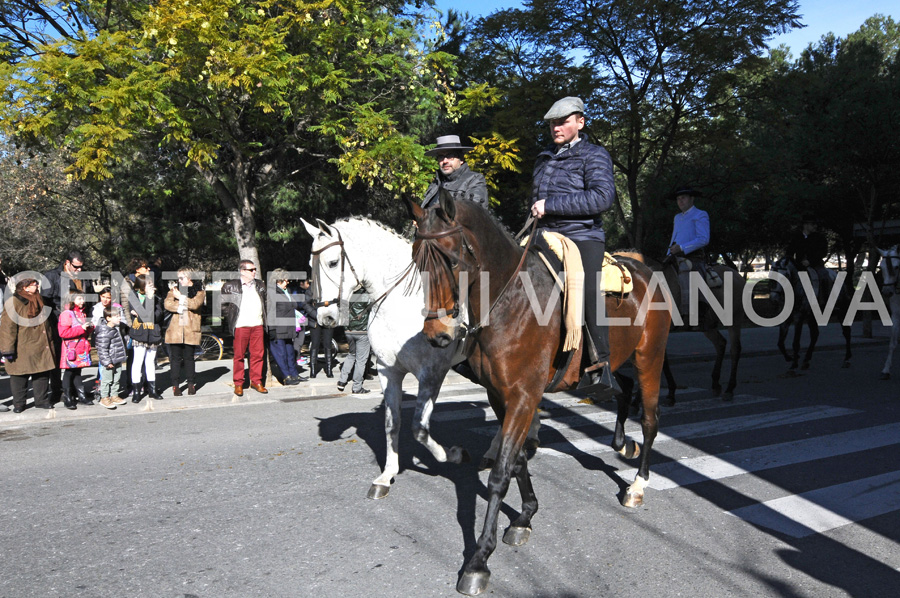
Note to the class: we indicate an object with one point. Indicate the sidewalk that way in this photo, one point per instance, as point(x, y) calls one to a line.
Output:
point(215, 386)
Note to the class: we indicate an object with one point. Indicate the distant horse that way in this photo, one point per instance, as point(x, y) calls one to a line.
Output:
point(806, 300)
point(890, 272)
point(360, 251)
point(709, 322)
point(516, 340)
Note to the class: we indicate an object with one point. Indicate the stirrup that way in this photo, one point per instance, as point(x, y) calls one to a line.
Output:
point(599, 381)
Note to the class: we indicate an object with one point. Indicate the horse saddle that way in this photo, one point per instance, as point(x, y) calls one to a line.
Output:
point(614, 275)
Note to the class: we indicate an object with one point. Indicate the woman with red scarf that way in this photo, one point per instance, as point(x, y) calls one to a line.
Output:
point(75, 330)
point(26, 342)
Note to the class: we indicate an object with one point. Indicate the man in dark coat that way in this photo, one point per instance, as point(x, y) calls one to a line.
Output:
point(572, 186)
point(808, 249)
point(454, 175)
point(59, 283)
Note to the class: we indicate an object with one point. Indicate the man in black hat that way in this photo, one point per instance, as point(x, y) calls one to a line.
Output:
point(808, 249)
point(572, 186)
point(454, 175)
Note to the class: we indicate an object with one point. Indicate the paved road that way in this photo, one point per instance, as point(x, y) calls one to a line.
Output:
point(791, 490)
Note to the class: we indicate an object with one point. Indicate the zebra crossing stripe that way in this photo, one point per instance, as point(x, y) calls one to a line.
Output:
point(824, 509)
point(703, 429)
point(702, 469)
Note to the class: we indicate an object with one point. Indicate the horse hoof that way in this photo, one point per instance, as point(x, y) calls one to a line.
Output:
point(884, 376)
point(845, 365)
point(458, 455)
point(805, 365)
point(531, 444)
point(728, 396)
point(472, 584)
point(717, 391)
point(670, 401)
point(377, 491)
point(516, 536)
point(485, 464)
point(633, 499)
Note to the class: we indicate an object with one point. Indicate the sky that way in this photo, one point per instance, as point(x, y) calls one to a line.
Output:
point(820, 17)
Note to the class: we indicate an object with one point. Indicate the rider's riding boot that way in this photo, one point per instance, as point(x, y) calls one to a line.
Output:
point(598, 378)
point(328, 368)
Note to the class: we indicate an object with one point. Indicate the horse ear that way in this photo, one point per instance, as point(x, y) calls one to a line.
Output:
point(325, 228)
point(416, 212)
point(311, 229)
point(447, 204)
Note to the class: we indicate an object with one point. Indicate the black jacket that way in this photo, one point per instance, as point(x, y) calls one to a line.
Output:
point(284, 325)
point(232, 293)
point(146, 326)
point(51, 291)
point(577, 186)
point(462, 184)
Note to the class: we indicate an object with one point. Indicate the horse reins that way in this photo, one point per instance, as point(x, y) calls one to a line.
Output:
point(451, 262)
point(344, 259)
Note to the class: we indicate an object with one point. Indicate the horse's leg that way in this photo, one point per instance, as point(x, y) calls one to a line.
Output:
point(734, 339)
point(532, 442)
point(782, 334)
point(798, 330)
point(519, 530)
point(392, 382)
point(670, 382)
point(475, 575)
point(649, 381)
point(718, 341)
point(813, 339)
point(895, 333)
point(846, 331)
point(428, 391)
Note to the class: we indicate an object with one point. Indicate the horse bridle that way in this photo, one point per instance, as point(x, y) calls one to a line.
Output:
point(345, 259)
point(451, 263)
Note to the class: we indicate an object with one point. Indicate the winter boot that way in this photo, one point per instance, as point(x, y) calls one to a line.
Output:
point(152, 392)
point(328, 368)
point(67, 399)
point(83, 398)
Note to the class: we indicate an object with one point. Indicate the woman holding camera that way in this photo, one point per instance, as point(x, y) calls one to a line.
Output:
point(184, 301)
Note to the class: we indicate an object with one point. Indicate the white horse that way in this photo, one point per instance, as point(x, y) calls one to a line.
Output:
point(359, 251)
point(890, 272)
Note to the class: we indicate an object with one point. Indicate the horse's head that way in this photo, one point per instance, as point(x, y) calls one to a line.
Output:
point(444, 255)
point(890, 269)
point(333, 277)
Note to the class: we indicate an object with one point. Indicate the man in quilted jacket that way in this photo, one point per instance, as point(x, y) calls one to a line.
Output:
point(572, 186)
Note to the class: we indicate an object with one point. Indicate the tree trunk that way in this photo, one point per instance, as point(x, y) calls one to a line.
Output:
point(239, 206)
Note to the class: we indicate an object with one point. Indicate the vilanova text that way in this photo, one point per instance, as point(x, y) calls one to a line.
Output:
point(720, 301)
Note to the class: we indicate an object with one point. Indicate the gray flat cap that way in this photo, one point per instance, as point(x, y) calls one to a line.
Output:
point(564, 107)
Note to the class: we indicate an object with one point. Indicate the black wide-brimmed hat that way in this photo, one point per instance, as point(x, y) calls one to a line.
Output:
point(686, 191)
point(448, 143)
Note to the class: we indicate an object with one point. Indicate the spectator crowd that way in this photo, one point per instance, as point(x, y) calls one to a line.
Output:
point(57, 323)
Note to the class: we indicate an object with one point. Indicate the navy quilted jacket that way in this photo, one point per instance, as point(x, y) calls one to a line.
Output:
point(577, 186)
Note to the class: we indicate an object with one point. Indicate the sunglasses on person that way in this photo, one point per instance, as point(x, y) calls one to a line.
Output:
point(249, 269)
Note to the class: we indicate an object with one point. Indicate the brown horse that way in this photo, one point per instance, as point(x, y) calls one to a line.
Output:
point(516, 336)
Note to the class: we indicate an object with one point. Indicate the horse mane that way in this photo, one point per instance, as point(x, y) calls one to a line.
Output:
point(373, 223)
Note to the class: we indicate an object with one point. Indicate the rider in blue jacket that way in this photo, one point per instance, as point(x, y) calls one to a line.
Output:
point(572, 186)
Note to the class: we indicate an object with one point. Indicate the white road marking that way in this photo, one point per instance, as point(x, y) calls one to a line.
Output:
point(818, 511)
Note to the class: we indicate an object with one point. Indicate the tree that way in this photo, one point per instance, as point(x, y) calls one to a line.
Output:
point(249, 94)
point(653, 69)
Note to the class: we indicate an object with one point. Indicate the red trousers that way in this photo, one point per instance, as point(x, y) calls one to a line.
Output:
point(250, 337)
